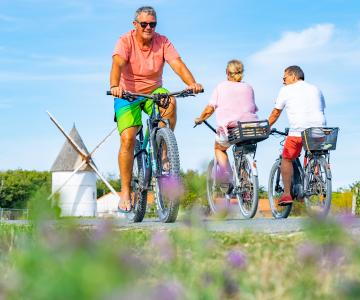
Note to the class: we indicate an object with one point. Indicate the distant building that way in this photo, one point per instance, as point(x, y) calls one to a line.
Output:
point(78, 196)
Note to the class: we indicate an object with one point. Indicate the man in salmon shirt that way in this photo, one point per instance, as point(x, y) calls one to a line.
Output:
point(137, 66)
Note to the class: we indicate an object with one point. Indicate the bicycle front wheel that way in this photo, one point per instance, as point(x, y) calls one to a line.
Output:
point(275, 190)
point(317, 187)
point(139, 194)
point(218, 199)
point(167, 182)
point(247, 188)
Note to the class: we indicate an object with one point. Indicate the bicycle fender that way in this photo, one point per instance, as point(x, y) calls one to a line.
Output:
point(253, 164)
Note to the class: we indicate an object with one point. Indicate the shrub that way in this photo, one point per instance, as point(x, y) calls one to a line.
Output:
point(17, 186)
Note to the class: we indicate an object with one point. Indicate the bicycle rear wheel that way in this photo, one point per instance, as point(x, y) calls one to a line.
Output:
point(167, 182)
point(275, 190)
point(139, 194)
point(317, 187)
point(218, 199)
point(247, 192)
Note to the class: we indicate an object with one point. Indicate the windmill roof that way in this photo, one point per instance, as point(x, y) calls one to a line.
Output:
point(68, 159)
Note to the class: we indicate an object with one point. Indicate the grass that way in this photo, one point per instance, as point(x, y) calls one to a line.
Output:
point(61, 260)
point(67, 262)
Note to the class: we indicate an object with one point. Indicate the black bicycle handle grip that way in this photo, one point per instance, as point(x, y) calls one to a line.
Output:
point(108, 93)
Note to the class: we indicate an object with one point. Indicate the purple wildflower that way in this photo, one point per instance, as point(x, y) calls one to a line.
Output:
point(170, 290)
point(237, 259)
point(308, 252)
point(334, 255)
point(222, 174)
point(162, 243)
point(231, 288)
point(346, 220)
point(171, 187)
point(103, 230)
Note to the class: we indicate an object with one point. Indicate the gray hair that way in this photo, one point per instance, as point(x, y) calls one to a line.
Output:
point(297, 71)
point(145, 9)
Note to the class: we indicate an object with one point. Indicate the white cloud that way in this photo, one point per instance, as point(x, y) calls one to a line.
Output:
point(318, 44)
point(296, 44)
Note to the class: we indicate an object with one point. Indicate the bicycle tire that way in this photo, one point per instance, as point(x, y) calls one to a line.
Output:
point(275, 189)
point(139, 194)
point(247, 193)
point(167, 200)
point(317, 183)
point(216, 195)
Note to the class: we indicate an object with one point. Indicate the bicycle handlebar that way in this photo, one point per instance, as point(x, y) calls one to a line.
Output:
point(131, 96)
point(208, 125)
point(275, 131)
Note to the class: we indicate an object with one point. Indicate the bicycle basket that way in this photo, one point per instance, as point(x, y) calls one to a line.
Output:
point(319, 138)
point(249, 132)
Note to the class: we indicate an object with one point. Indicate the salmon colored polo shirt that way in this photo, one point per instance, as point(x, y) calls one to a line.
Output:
point(144, 68)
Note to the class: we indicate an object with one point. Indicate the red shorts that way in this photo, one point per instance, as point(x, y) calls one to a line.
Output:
point(292, 147)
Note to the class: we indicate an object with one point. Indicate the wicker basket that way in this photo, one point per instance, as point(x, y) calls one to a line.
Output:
point(319, 138)
point(249, 132)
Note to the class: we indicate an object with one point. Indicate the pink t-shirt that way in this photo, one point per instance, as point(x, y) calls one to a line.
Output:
point(144, 68)
point(233, 102)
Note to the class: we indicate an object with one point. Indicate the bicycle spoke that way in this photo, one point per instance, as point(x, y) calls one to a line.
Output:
point(317, 188)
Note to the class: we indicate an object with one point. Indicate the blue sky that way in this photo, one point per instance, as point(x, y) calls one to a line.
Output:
point(56, 56)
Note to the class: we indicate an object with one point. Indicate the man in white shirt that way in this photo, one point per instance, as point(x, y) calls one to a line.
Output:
point(304, 104)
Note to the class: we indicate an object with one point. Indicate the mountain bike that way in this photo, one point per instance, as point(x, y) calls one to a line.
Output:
point(311, 183)
point(244, 185)
point(156, 160)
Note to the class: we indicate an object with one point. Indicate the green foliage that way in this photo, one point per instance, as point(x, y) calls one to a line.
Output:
point(102, 189)
point(341, 202)
point(194, 189)
point(17, 186)
point(263, 194)
point(50, 260)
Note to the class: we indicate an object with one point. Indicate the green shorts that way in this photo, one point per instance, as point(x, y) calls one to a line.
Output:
point(128, 114)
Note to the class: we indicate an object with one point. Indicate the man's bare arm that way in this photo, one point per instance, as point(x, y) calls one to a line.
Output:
point(207, 112)
point(118, 64)
point(184, 73)
point(275, 114)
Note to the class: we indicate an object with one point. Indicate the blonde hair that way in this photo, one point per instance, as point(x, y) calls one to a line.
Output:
point(235, 69)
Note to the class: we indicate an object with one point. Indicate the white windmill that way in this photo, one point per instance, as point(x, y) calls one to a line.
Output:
point(73, 175)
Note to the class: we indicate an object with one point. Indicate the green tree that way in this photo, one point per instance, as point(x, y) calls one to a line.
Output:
point(102, 189)
point(17, 186)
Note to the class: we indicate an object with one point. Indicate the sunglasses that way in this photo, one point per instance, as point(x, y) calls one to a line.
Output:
point(145, 24)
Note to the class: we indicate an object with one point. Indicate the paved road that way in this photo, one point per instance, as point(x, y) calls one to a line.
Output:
point(266, 225)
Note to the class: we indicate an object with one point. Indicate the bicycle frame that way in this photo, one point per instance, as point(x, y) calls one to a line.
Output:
point(148, 144)
point(297, 182)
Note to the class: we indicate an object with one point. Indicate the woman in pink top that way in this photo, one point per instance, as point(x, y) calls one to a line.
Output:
point(233, 101)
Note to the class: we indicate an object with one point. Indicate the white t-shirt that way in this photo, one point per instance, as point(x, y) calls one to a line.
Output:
point(304, 104)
